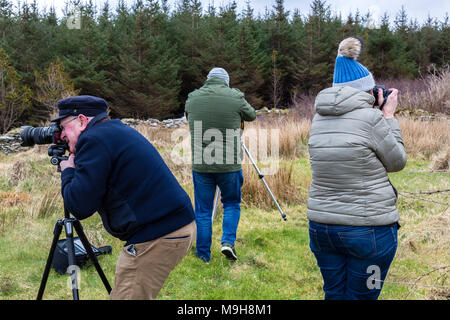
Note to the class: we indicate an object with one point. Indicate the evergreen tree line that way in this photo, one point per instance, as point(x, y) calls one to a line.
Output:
point(145, 58)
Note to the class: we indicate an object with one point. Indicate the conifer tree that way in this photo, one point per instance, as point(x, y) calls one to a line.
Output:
point(320, 46)
point(186, 24)
point(388, 56)
point(147, 83)
point(146, 58)
point(249, 76)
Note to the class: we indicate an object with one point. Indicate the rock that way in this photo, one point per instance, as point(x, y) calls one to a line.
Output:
point(277, 111)
point(419, 114)
point(6, 138)
point(167, 123)
point(11, 143)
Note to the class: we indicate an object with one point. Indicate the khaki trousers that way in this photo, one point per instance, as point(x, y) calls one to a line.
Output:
point(143, 268)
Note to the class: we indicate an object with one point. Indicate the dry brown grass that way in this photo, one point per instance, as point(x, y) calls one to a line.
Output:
point(288, 185)
point(292, 144)
point(422, 260)
point(160, 138)
point(11, 199)
point(293, 134)
point(49, 203)
point(425, 139)
point(441, 161)
point(422, 139)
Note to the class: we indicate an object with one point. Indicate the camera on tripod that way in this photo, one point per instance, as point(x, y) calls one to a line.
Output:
point(45, 135)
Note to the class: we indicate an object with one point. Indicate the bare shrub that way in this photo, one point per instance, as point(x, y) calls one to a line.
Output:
point(430, 93)
point(302, 106)
point(51, 87)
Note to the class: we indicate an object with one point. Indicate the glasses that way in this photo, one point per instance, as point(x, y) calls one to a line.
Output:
point(63, 127)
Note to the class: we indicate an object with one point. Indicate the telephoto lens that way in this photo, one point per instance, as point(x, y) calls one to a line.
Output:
point(39, 135)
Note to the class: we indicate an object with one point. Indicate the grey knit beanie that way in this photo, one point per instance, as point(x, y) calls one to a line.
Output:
point(219, 73)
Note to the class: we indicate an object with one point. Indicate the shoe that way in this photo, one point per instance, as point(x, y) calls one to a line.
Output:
point(204, 260)
point(228, 251)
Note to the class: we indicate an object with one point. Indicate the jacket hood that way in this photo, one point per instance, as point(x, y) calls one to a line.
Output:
point(215, 80)
point(340, 100)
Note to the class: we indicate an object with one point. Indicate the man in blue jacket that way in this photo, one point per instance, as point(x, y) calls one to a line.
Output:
point(115, 171)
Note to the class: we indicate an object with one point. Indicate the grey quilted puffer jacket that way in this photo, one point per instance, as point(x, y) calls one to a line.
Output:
point(352, 147)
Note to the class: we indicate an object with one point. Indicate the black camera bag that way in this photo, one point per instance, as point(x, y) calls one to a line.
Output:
point(60, 258)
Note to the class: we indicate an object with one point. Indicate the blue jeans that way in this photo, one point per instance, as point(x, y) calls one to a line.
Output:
point(353, 260)
point(230, 184)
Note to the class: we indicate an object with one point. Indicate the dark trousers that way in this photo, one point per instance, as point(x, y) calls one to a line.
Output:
point(230, 184)
point(353, 260)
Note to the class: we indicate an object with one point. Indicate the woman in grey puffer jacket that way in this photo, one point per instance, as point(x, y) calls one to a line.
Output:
point(351, 204)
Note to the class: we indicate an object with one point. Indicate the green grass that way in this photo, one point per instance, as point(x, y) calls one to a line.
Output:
point(275, 261)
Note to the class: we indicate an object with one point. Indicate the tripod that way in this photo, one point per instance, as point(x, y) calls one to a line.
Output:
point(261, 176)
point(69, 225)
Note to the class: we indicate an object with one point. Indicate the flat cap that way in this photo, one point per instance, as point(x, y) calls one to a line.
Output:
point(90, 106)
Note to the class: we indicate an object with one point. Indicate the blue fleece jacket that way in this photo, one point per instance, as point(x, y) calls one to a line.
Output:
point(121, 175)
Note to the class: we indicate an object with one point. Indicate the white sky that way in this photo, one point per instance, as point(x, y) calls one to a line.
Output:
point(416, 9)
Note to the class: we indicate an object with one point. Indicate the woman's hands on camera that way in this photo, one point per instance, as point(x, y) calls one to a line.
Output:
point(391, 103)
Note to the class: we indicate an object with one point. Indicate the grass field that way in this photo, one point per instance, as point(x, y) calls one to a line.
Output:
point(274, 257)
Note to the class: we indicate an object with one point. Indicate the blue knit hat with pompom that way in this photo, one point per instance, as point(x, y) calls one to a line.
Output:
point(347, 70)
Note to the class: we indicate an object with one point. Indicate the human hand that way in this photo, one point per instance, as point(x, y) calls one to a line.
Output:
point(391, 103)
point(69, 163)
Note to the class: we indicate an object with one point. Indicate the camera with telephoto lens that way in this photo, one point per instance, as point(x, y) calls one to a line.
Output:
point(386, 93)
point(45, 135)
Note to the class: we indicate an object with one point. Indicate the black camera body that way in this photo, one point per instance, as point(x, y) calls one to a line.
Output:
point(386, 93)
point(45, 135)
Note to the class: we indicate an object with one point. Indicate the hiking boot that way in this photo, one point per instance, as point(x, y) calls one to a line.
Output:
point(228, 251)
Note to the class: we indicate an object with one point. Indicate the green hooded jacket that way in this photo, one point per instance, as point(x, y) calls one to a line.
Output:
point(214, 113)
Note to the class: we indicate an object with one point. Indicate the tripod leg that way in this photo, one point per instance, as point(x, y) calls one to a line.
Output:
point(68, 225)
point(274, 200)
point(90, 252)
point(261, 176)
point(56, 233)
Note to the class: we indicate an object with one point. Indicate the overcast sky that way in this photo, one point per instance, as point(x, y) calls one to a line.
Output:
point(416, 9)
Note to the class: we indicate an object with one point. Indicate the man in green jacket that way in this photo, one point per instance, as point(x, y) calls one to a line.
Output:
point(215, 112)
